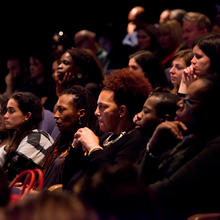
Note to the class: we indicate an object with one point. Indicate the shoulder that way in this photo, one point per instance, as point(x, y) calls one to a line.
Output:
point(37, 136)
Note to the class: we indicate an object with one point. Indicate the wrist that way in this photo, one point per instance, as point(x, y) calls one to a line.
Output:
point(95, 148)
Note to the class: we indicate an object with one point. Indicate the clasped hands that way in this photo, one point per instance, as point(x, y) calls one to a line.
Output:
point(86, 138)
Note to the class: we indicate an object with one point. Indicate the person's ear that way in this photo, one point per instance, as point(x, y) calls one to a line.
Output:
point(27, 116)
point(81, 113)
point(123, 111)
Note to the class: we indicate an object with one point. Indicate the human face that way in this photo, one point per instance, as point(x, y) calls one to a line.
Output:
point(200, 62)
point(66, 114)
point(144, 40)
point(66, 65)
point(189, 111)
point(107, 112)
point(14, 68)
point(36, 67)
point(133, 65)
point(14, 117)
point(148, 118)
point(176, 71)
point(190, 33)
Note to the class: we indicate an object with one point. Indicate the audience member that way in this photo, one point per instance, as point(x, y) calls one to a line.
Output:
point(185, 179)
point(164, 16)
point(195, 24)
point(40, 78)
point(171, 40)
point(79, 67)
point(147, 36)
point(206, 52)
point(177, 14)
point(17, 75)
point(74, 109)
point(27, 145)
point(85, 39)
point(180, 61)
point(122, 97)
point(147, 64)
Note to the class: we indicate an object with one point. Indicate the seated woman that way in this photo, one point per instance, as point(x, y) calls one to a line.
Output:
point(27, 146)
point(180, 61)
point(121, 98)
point(74, 109)
point(79, 67)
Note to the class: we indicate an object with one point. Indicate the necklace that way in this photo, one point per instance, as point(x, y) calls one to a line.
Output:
point(107, 142)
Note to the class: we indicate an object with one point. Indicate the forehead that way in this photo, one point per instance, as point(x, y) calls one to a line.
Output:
point(12, 102)
point(152, 101)
point(66, 99)
point(66, 56)
point(106, 96)
point(179, 60)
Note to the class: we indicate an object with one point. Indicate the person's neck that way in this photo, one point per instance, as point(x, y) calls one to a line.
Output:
point(124, 126)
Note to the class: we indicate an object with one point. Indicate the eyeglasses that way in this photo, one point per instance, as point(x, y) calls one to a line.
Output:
point(190, 102)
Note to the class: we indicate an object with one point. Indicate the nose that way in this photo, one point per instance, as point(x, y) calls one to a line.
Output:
point(56, 115)
point(6, 115)
point(172, 70)
point(193, 60)
point(97, 113)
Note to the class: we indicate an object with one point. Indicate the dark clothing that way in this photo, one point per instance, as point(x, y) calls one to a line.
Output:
point(186, 180)
point(129, 148)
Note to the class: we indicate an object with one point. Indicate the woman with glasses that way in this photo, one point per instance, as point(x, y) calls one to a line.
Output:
point(185, 180)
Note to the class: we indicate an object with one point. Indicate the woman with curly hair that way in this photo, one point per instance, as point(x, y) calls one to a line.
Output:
point(121, 98)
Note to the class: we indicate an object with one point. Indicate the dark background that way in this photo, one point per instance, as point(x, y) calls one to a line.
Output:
point(24, 25)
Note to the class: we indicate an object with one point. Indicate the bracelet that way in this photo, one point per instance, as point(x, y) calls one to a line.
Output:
point(149, 153)
point(94, 149)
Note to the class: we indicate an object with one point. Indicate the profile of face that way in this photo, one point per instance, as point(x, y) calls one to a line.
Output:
point(107, 112)
point(200, 61)
point(14, 68)
point(176, 71)
point(134, 66)
point(36, 67)
point(66, 114)
point(14, 117)
point(148, 118)
point(144, 40)
point(189, 109)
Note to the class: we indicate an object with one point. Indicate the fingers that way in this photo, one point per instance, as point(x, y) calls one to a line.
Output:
point(175, 127)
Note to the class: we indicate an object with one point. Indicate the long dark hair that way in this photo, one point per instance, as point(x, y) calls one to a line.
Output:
point(27, 102)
